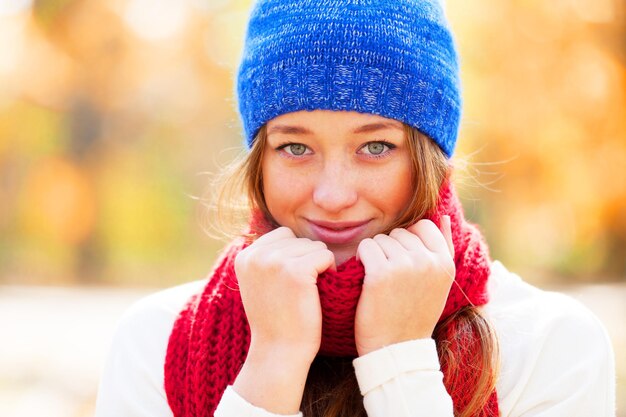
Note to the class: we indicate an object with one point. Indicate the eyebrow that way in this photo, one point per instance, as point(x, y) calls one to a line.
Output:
point(370, 127)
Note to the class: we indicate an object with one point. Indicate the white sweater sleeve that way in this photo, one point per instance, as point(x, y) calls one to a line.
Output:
point(233, 405)
point(559, 365)
point(132, 382)
point(403, 379)
point(398, 380)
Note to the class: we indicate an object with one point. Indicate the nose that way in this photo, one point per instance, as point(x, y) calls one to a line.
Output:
point(335, 189)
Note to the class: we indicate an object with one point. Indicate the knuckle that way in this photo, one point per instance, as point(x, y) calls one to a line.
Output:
point(239, 267)
point(318, 244)
point(329, 257)
point(264, 261)
point(426, 224)
point(406, 265)
point(271, 259)
point(283, 232)
point(241, 259)
point(289, 268)
point(365, 242)
point(376, 270)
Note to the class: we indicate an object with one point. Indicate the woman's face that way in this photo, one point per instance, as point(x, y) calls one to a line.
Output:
point(336, 176)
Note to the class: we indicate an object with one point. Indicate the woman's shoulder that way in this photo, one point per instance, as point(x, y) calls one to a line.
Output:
point(134, 366)
point(145, 326)
point(144, 329)
point(151, 318)
point(517, 303)
point(552, 347)
point(166, 302)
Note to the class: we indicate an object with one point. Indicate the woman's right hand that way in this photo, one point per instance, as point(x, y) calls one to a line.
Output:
point(277, 277)
point(278, 283)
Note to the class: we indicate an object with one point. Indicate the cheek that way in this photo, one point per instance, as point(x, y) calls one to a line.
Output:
point(398, 195)
point(392, 190)
point(284, 192)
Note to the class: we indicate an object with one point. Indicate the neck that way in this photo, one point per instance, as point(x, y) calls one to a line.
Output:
point(342, 256)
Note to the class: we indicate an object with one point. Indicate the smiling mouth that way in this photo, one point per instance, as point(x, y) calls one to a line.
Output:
point(337, 232)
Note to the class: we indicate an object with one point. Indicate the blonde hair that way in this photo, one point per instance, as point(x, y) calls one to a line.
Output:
point(331, 388)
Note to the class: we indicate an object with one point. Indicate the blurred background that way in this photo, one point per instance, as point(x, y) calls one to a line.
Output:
point(115, 113)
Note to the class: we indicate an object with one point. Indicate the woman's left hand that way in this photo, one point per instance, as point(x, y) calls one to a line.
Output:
point(408, 275)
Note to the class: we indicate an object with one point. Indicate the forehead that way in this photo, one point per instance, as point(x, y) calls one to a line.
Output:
point(337, 119)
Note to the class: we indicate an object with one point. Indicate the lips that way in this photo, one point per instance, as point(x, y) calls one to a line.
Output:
point(337, 232)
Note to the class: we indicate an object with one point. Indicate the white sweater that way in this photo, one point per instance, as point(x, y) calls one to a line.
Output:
point(556, 361)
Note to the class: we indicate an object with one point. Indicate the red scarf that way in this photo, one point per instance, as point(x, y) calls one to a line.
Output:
point(210, 337)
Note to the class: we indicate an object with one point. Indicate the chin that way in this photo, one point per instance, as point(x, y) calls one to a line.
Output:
point(342, 255)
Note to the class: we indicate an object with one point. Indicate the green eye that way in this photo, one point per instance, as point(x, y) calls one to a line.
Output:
point(375, 148)
point(297, 149)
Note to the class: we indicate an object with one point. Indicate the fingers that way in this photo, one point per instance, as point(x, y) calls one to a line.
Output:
point(300, 249)
point(408, 240)
point(321, 260)
point(431, 236)
point(424, 235)
point(275, 235)
point(390, 246)
point(282, 243)
point(286, 243)
point(294, 247)
point(370, 254)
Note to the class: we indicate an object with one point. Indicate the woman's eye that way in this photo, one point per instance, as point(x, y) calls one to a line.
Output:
point(376, 148)
point(296, 149)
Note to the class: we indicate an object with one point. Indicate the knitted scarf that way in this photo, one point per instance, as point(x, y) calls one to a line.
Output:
point(210, 337)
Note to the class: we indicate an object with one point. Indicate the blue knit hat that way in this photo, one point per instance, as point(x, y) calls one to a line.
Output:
point(393, 58)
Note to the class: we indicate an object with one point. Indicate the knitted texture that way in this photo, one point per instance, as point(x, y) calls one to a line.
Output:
point(211, 336)
point(393, 58)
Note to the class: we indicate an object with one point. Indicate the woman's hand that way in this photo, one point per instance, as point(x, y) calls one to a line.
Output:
point(408, 275)
point(277, 278)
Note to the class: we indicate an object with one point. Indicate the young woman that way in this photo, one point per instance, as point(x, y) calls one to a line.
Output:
point(358, 287)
